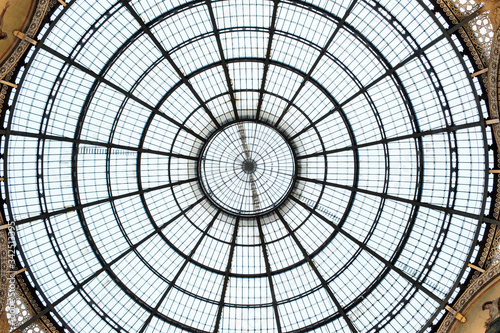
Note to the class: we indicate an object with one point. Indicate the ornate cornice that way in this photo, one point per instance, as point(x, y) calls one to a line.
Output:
point(474, 291)
point(4, 269)
point(489, 253)
point(477, 43)
point(21, 46)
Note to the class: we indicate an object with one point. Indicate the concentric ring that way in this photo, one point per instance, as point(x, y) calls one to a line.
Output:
point(247, 168)
point(242, 166)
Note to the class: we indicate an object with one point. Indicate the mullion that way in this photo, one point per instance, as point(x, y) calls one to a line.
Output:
point(101, 79)
point(167, 56)
point(272, 29)
point(317, 272)
point(370, 251)
point(447, 210)
point(349, 148)
point(80, 285)
point(223, 58)
point(173, 282)
point(390, 71)
point(414, 135)
point(7, 132)
point(318, 59)
point(481, 217)
point(268, 273)
point(226, 276)
point(101, 201)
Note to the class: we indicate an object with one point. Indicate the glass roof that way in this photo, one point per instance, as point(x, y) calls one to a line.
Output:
point(247, 169)
point(246, 166)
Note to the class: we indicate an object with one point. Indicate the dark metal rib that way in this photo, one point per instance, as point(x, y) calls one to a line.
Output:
point(226, 276)
point(414, 135)
point(40, 136)
point(223, 58)
point(389, 72)
point(272, 29)
point(447, 210)
point(174, 280)
point(318, 274)
point(167, 56)
point(98, 202)
point(102, 269)
point(119, 89)
point(269, 277)
point(318, 59)
point(370, 251)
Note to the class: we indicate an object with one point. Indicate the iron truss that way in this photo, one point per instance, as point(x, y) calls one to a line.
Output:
point(379, 215)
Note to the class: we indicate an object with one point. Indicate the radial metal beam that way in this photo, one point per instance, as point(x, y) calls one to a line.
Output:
point(414, 135)
point(167, 56)
point(268, 273)
point(272, 29)
point(179, 272)
point(80, 285)
point(363, 246)
point(447, 210)
point(50, 306)
point(93, 143)
point(481, 217)
point(226, 276)
point(14, 101)
point(223, 58)
point(101, 201)
point(318, 274)
point(101, 79)
point(389, 72)
point(318, 59)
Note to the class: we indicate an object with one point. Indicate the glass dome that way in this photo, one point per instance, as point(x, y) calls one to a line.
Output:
point(246, 166)
point(246, 169)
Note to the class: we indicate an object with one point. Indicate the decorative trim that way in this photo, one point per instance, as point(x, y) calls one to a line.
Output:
point(470, 294)
point(485, 56)
point(479, 51)
point(493, 82)
point(22, 291)
point(490, 251)
point(25, 297)
point(22, 45)
point(493, 97)
point(4, 268)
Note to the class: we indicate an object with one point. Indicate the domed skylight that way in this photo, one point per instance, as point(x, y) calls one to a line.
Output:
point(246, 166)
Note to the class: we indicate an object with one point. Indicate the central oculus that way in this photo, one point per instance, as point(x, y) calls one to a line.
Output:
point(247, 168)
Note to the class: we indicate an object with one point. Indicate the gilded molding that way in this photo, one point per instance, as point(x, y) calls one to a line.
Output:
point(40, 12)
point(479, 50)
point(4, 269)
point(474, 290)
point(25, 300)
point(493, 97)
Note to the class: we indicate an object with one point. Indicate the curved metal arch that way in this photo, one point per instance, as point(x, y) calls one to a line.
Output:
point(41, 144)
point(205, 190)
point(36, 286)
point(447, 34)
point(445, 107)
point(214, 65)
point(165, 239)
point(421, 158)
point(450, 157)
point(81, 217)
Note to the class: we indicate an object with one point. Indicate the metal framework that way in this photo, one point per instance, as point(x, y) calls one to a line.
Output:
point(232, 166)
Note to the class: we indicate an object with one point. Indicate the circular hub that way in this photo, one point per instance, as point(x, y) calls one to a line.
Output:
point(247, 168)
